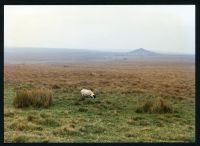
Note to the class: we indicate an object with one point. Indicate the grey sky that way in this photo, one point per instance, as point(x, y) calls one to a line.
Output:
point(161, 28)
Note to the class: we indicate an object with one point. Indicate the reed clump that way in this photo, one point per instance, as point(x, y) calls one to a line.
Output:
point(155, 105)
point(35, 97)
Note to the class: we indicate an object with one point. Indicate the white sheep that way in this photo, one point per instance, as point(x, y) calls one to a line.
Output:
point(87, 93)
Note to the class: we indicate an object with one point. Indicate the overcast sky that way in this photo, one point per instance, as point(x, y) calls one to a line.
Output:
point(160, 28)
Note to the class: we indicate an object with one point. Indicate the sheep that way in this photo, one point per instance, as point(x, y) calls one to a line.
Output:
point(87, 93)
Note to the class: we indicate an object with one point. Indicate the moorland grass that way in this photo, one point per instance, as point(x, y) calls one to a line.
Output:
point(155, 105)
point(35, 97)
point(112, 116)
point(104, 119)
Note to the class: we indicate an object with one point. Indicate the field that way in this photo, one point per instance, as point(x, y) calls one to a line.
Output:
point(120, 87)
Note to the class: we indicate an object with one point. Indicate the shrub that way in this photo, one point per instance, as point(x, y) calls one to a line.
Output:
point(34, 97)
point(155, 105)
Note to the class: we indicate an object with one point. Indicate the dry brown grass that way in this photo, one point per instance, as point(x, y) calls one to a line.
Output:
point(164, 79)
point(155, 105)
point(35, 97)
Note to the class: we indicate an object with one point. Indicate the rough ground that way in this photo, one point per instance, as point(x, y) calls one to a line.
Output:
point(111, 117)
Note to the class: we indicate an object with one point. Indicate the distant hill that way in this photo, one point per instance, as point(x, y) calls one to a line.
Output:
point(53, 55)
point(143, 52)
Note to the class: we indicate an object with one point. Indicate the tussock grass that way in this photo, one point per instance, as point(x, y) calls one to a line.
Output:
point(155, 105)
point(34, 97)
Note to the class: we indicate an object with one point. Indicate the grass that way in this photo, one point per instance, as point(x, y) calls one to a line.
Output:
point(155, 105)
point(34, 97)
point(111, 117)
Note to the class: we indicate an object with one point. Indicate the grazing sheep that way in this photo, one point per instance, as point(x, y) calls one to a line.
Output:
point(87, 93)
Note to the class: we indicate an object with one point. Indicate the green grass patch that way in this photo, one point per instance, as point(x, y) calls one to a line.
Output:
point(111, 117)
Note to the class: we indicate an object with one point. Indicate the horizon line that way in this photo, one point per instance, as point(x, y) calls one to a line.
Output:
point(98, 50)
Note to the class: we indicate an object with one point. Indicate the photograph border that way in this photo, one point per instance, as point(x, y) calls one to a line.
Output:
point(109, 2)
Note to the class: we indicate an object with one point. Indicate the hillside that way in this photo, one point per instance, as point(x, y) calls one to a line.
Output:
point(143, 52)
